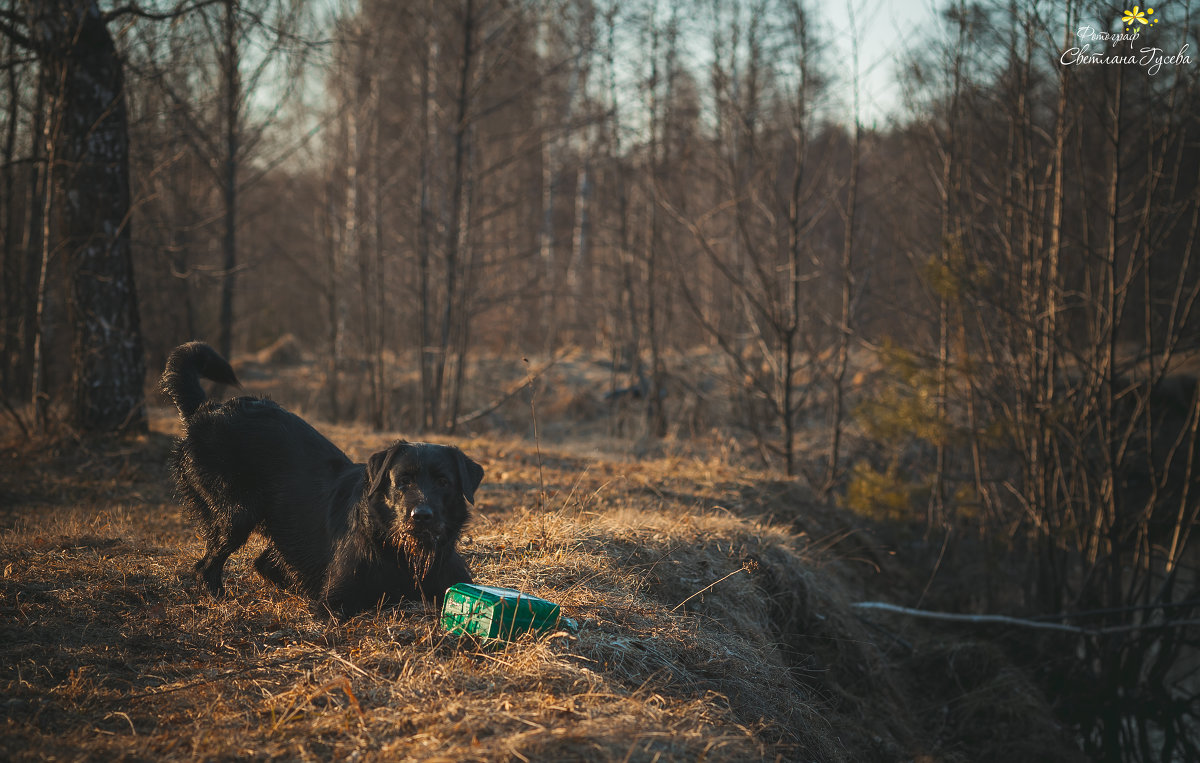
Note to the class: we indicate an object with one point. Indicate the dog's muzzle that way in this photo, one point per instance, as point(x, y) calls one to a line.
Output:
point(419, 529)
point(421, 516)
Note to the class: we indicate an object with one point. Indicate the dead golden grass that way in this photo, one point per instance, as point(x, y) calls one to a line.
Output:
point(713, 626)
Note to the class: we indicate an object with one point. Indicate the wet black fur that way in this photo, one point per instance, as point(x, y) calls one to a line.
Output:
point(350, 536)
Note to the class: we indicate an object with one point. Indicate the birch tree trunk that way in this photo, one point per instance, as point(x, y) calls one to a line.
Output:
point(85, 76)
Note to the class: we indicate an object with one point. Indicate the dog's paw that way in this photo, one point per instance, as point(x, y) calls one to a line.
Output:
point(322, 611)
point(210, 579)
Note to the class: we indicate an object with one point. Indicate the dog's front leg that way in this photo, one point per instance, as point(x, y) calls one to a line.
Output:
point(451, 570)
point(349, 587)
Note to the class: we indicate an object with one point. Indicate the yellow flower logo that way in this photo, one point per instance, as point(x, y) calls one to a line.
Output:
point(1138, 16)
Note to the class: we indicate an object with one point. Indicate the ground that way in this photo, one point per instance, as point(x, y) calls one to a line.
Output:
point(711, 602)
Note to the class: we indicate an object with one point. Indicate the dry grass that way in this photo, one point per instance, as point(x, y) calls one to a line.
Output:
point(713, 627)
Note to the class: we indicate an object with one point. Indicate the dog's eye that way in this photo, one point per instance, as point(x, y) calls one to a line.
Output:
point(443, 482)
point(405, 480)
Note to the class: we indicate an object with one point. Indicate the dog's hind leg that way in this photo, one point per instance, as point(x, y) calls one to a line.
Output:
point(223, 540)
point(271, 567)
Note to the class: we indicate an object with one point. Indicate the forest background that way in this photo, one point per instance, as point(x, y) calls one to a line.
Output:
point(969, 311)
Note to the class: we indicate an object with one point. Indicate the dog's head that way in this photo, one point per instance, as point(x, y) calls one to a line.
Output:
point(418, 493)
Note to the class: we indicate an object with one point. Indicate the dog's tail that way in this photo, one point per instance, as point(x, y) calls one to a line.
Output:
point(181, 378)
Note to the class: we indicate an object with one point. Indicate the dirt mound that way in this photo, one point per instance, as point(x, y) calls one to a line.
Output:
point(284, 351)
point(705, 632)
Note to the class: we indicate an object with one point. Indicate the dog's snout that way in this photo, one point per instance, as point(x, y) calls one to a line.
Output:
point(421, 515)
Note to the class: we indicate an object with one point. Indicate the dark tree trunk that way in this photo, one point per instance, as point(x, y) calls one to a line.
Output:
point(233, 90)
point(14, 300)
point(91, 170)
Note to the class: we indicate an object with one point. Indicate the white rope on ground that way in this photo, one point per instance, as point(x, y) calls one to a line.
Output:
point(1017, 621)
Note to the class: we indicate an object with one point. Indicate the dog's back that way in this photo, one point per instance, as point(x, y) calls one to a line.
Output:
point(266, 456)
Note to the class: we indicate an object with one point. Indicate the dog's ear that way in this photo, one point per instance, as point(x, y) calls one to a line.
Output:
point(377, 465)
point(470, 474)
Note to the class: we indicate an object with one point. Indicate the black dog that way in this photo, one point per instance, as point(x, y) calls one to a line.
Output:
point(348, 535)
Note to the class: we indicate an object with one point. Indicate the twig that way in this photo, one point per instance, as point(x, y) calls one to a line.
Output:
point(127, 720)
point(15, 416)
point(133, 9)
point(508, 395)
point(1018, 621)
point(707, 587)
point(352, 666)
point(936, 565)
point(298, 705)
point(219, 677)
point(537, 443)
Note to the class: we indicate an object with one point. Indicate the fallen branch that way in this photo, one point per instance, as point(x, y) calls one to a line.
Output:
point(1019, 622)
point(15, 416)
point(508, 395)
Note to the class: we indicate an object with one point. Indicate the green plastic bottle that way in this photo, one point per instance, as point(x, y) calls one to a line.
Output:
point(489, 612)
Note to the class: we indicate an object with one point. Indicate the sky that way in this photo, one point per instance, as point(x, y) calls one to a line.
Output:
point(887, 30)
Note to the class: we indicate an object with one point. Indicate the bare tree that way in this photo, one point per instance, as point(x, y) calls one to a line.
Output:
point(84, 76)
point(21, 194)
point(845, 327)
point(1061, 321)
point(218, 54)
point(758, 236)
